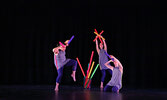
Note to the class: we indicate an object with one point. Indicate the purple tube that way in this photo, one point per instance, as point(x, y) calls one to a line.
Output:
point(109, 56)
point(70, 39)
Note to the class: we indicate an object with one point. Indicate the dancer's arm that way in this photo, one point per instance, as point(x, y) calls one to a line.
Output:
point(105, 45)
point(109, 66)
point(119, 63)
point(97, 47)
point(56, 50)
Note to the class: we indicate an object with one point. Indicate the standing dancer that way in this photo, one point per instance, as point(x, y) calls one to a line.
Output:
point(61, 61)
point(115, 84)
point(102, 60)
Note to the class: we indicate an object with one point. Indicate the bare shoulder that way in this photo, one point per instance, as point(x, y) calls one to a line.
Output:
point(121, 69)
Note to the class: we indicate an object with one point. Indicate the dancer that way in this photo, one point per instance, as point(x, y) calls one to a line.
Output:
point(115, 84)
point(60, 62)
point(102, 60)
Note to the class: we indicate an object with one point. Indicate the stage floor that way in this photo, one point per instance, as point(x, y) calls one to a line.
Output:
point(76, 93)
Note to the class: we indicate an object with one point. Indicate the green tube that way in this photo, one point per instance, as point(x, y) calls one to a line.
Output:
point(94, 71)
point(87, 83)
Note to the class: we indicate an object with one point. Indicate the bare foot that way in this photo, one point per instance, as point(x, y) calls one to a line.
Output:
point(73, 76)
point(56, 89)
point(101, 85)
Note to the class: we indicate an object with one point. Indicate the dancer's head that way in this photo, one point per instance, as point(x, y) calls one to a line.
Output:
point(101, 45)
point(114, 60)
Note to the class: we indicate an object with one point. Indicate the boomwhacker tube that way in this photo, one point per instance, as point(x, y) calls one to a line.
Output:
point(88, 83)
point(89, 66)
point(92, 74)
point(91, 69)
point(70, 39)
point(109, 56)
point(61, 44)
point(96, 31)
point(86, 73)
point(101, 32)
point(100, 39)
point(99, 35)
point(80, 67)
point(94, 71)
point(90, 62)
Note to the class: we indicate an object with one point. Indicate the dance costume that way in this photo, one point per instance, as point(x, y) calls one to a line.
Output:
point(62, 62)
point(102, 60)
point(115, 83)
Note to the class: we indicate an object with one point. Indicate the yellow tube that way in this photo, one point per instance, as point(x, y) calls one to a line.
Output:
point(99, 35)
point(91, 69)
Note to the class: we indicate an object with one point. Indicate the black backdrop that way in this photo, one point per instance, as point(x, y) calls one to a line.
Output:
point(135, 33)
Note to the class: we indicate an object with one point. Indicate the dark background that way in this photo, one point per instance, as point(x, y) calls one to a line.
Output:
point(135, 33)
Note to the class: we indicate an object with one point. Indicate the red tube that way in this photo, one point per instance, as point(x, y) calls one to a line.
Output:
point(80, 67)
point(97, 36)
point(89, 67)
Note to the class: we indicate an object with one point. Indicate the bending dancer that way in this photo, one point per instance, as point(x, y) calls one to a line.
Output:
point(60, 62)
point(115, 84)
point(102, 60)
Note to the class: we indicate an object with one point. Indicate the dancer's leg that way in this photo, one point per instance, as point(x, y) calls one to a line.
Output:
point(58, 79)
point(103, 77)
point(72, 63)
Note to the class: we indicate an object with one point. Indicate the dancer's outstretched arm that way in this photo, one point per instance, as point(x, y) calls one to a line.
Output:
point(56, 50)
point(97, 47)
point(109, 66)
point(118, 62)
point(105, 45)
